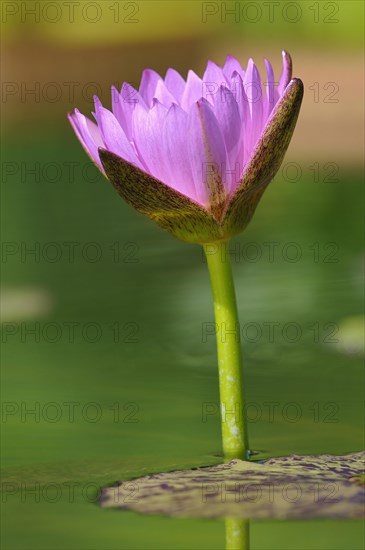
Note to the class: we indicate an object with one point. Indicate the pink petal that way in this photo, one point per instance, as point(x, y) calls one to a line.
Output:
point(163, 95)
point(113, 135)
point(148, 85)
point(88, 134)
point(286, 72)
point(226, 112)
point(213, 73)
point(213, 79)
point(253, 89)
point(239, 93)
point(147, 132)
point(175, 84)
point(193, 91)
point(232, 65)
point(123, 104)
point(271, 92)
point(207, 151)
point(175, 146)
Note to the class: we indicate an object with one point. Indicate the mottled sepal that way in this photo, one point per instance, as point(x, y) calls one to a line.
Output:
point(173, 211)
point(265, 161)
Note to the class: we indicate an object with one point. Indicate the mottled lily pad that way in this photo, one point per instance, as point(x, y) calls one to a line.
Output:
point(288, 487)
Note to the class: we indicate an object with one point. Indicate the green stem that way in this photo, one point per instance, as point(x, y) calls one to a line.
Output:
point(237, 534)
point(234, 433)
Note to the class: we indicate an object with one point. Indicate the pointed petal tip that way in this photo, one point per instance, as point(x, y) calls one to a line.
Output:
point(192, 73)
point(149, 73)
point(213, 64)
point(286, 56)
point(267, 63)
point(286, 73)
point(236, 74)
point(73, 115)
point(202, 102)
point(71, 118)
point(97, 102)
point(172, 70)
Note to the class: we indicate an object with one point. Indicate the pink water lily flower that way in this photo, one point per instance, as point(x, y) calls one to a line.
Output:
point(195, 155)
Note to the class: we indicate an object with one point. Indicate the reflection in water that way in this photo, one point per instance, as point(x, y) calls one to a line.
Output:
point(237, 534)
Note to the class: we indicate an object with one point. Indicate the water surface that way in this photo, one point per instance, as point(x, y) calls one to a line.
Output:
point(132, 388)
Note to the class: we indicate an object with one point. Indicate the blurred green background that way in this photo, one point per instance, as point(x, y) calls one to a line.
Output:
point(118, 370)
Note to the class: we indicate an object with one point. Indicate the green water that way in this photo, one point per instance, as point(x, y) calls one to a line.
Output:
point(144, 395)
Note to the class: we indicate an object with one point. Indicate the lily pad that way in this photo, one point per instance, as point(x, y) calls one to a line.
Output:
point(289, 487)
